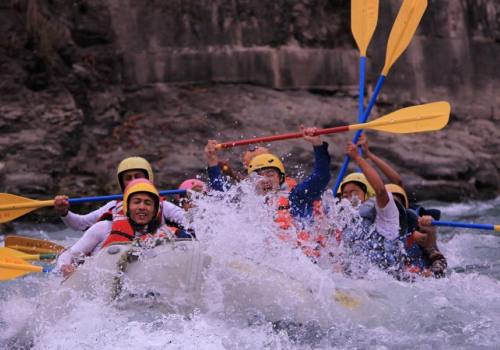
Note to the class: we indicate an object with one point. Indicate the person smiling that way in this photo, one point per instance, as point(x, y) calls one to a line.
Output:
point(141, 217)
point(141, 220)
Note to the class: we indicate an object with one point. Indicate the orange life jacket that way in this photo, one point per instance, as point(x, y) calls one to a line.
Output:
point(303, 239)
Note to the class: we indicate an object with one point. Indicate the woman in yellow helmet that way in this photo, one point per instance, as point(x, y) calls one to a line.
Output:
point(95, 222)
point(141, 219)
point(142, 214)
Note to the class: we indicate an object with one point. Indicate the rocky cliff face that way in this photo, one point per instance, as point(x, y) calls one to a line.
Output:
point(85, 83)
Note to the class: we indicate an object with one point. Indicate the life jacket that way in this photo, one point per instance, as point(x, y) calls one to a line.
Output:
point(415, 259)
point(122, 231)
point(364, 240)
point(303, 239)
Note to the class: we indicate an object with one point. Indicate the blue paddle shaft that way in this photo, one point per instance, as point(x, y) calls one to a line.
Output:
point(463, 224)
point(366, 113)
point(361, 102)
point(48, 268)
point(117, 196)
point(362, 69)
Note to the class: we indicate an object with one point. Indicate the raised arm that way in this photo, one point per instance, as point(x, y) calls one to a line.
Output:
point(371, 174)
point(216, 180)
point(384, 167)
point(306, 192)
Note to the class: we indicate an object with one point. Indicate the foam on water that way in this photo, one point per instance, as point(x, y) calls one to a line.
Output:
point(461, 311)
point(470, 209)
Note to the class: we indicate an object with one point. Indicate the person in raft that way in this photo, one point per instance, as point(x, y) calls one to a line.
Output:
point(422, 255)
point(190, 185)
point(128, 170)
point(295, 208)
point(141, 219)
point(376, 238)
point(419, 237)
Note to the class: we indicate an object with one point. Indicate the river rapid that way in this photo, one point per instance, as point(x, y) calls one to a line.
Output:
point(461, 311)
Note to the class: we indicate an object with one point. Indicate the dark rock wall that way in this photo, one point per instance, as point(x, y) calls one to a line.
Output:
point(281, 44)
point(85, 83)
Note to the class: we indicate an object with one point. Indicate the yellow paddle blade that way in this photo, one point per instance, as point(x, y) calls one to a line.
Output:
point(426, 117)
point(12, 206)
point(8, 209)
point(347, 300)
point(402, 31)
point(32, 245)
point(5, 251)
point(11, 267)
point(364, 15)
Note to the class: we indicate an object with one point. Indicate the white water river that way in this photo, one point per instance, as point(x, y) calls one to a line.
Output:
point(461, 311)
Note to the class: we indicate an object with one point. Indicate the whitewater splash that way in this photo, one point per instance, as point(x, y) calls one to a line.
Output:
point(461, 311)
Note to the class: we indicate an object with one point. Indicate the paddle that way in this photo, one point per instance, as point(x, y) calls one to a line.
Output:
point(12, 206)
point(426, 117)
point(364, 15)
point(6, 251)
point(11, 267)
point(402, 32)
point(32, 245)
point(466, 225)
point(475, 267)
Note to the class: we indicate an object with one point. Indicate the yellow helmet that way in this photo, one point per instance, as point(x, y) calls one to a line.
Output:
point(251, 153)
point(395, 189)
point(134, 163)
point(360, 178)
point(266, 160)
point(140, 185)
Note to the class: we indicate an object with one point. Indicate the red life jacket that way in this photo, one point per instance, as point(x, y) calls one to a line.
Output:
point(121, 229)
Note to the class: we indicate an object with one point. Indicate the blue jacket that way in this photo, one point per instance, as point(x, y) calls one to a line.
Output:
point(415, 255)
point(303, 195)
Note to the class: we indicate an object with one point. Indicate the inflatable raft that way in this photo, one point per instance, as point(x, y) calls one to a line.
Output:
point(178, 277)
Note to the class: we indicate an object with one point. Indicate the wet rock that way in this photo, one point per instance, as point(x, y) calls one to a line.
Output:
point(28, 182)
point(85, 83)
